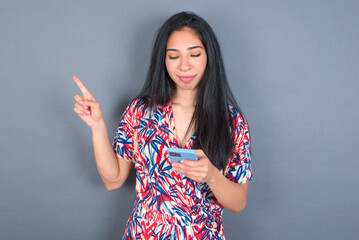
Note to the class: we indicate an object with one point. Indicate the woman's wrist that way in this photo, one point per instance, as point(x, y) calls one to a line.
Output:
point(99, 127)
point(214, 176)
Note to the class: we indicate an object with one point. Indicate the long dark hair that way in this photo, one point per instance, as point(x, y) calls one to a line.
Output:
point(212, 117)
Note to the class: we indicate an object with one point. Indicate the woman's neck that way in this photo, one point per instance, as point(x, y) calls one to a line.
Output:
point(186, 98)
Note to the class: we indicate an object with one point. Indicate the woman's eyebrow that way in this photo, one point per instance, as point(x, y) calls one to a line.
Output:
point(190, 48)
point(194, 47)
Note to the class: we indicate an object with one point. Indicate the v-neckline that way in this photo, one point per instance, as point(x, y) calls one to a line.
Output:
point(173, 132)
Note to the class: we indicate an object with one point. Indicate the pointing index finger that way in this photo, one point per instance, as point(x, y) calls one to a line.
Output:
point(82, 87)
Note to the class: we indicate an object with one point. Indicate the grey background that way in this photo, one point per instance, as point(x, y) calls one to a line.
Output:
point(293, 66)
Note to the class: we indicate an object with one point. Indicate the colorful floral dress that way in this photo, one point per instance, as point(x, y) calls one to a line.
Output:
point(169, 205)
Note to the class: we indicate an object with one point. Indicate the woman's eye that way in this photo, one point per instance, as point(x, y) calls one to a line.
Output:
point(197, 55)
point(172, 57)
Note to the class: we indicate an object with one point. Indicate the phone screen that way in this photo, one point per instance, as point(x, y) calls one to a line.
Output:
point(178, 154)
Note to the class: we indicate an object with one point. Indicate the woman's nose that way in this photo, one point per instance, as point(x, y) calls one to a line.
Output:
point(184, 64)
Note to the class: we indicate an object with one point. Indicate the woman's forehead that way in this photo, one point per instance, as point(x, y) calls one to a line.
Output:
point(185, 38)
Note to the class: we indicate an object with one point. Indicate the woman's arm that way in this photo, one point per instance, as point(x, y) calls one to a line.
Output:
point(113, 171)
point(229, 194)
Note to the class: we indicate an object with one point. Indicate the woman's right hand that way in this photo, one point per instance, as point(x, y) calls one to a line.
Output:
point(87, 107)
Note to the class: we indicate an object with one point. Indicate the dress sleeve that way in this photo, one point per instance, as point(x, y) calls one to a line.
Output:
point(238, 168)
point(123, 145)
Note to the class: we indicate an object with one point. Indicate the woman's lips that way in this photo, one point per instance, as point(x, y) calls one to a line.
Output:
point(186, 78)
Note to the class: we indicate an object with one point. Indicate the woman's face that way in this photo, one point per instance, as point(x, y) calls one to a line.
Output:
point(186, 59)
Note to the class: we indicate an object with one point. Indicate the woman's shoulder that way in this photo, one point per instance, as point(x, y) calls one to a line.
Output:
point(134, 107)
point(140, 104)
point(236, 114)
point(142, 107)
point(240, 125)
point(239, 122)
point(136, 103)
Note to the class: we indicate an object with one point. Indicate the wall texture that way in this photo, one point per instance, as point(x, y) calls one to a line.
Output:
point(293, 66)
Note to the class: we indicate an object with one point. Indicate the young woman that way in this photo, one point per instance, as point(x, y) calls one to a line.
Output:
point(185, 103)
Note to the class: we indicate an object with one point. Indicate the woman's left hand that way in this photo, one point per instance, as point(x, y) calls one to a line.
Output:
point(200, 171)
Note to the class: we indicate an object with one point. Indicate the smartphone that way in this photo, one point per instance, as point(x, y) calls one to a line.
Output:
point(177, 154)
